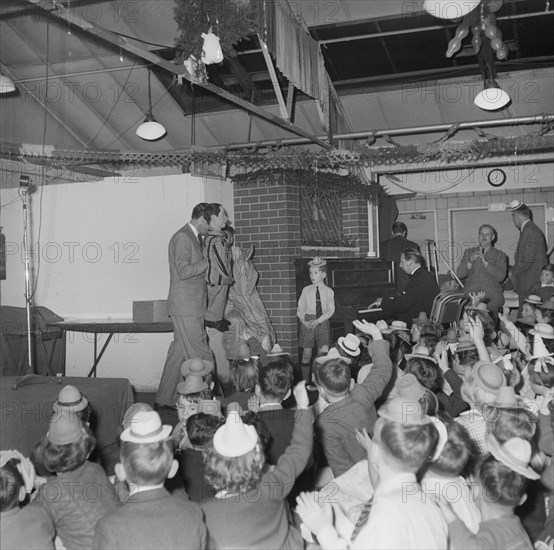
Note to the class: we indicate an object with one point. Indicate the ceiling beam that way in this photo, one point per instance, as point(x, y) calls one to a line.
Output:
point(98, 32)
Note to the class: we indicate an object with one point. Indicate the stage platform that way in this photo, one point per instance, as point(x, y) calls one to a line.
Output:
point(25, 412)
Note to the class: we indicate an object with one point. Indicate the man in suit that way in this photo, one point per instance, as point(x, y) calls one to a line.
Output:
point(186, 303)
point(530, 255)
point(419, 293)
point(391, 249)
point(483, 268)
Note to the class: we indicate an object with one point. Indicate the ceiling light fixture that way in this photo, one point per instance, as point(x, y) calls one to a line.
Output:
point(6, 85)
point(450, 9)
point(492, 97)
point(150, 129)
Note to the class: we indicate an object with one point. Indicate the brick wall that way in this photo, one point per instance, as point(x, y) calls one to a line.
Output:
point(267, 215)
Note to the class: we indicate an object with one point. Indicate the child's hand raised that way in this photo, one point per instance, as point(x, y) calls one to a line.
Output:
point(253, 404)
point(362, 437)
point(301, 395)
point(368, 328)
point(314, 516)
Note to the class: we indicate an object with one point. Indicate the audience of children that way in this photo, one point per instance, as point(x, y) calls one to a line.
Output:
point(440, 476)
point(150, 517)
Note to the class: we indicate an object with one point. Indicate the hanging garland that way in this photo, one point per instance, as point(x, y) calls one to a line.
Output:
point(316, 183)
point(290, 158)
point(230, 20)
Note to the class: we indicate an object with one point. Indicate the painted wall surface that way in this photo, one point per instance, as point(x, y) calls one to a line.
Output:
point(96, 248)
point(465, 180)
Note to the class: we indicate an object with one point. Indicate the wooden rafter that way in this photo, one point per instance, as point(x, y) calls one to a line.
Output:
point(98, 32)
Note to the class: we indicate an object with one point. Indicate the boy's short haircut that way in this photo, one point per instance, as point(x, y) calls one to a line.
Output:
point(333, 376)
point(147, 463)
point(413, 253)
point(499, 483)
point(408, 444)
point(508, 423)
point(195, 397)
point(274, 381)
point(428, 374)
point(198, 210)
point(11, 482)
point(201, 428)
point(234, 474)
point(212, 209)
point(455, 453)
point(66, 458)
point(549, 268)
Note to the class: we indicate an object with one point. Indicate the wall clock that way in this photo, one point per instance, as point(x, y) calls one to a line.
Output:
point(496, 177)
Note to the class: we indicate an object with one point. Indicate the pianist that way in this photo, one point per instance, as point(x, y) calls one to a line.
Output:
point(419, 293)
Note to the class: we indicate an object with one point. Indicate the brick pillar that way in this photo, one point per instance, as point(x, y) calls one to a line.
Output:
point(267, 215)
point(354, 222)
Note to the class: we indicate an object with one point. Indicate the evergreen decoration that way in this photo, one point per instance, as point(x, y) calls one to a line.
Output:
point(230, 20)
point(316, 183)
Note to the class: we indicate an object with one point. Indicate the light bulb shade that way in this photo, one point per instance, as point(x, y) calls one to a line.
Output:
point(150, 129)
point(450, 9)
point(6, 85)
point(492, 97)
point(211, 50)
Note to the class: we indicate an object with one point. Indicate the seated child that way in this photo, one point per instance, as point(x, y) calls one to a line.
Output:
point(201, 428)
point(479, 389)
point(316, 306)
point(244, 376)
point(189, 395)
point(150, 517)
point(501, 480)
point(249, 509)
point(350, 406)
point(22, 527)
point(274, 385)
point(443, 478)
point(544, 288)
point(80, 493)
point(71, 401)
point(399, 515)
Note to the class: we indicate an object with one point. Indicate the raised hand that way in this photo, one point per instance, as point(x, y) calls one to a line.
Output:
point(368, 328)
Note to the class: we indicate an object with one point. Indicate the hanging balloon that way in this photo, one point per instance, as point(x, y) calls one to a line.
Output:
point(476, 42)
point(496, 43)
point(453, 46)
point(502, 53)
point(490, 30)
point(494, 5)
point(462, 31)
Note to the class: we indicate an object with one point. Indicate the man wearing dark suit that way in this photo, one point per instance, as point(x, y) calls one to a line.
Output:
point(483, 268)
point(186, 304)
point(419, 293)
point(530, 255)
point(391, 249)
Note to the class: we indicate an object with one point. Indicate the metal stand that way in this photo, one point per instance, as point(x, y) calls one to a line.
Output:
point(431, 247)
point(24, 182)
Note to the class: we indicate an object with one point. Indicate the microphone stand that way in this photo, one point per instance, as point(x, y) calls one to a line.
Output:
point(24, 184)
point(437, 251)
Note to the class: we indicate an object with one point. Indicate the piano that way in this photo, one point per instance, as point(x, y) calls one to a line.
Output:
point(356, 282)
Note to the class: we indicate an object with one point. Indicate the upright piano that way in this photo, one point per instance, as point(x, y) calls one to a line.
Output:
point(356, 282)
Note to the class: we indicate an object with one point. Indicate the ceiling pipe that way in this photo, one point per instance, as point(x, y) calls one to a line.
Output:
point(495, 123)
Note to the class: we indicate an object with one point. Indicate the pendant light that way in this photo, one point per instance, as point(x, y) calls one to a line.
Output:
point(6, 85)
point(150, 129)
point(492, 97)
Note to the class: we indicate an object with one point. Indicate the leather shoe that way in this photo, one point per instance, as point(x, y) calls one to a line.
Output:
point(221, 326)
point(211, 324)
point(226, 322)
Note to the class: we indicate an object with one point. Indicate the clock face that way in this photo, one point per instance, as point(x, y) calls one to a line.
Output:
point(496, 177)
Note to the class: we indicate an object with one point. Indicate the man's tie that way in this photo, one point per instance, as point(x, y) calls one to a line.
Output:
point(318, 310)
point(200, 240)
point(362, 520)
point(483, 251)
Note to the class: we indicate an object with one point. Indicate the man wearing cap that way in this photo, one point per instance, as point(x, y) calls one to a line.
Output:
point(484, 267)
point(530, 255)
point(391, 249)
point(186, 303)
point(419, 293)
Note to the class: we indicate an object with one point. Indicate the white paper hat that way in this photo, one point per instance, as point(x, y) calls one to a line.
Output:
point(350, 344)
point(235, 438)
point(515, 453)
point(70, 399)
point(146, 427)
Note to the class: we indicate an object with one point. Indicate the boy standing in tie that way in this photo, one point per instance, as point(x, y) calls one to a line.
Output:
point(315, 307)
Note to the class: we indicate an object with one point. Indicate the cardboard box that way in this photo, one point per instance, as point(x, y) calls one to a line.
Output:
point(151, 311)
